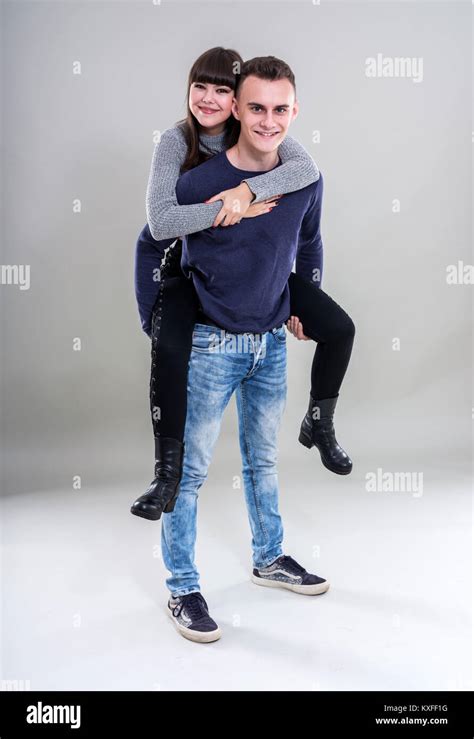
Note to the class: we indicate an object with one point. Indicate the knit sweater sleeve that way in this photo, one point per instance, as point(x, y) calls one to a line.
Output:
point(165, 217)
point(297, 170)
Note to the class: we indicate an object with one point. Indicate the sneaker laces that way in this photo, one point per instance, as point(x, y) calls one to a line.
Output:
point(292, 565)
point(195, 605)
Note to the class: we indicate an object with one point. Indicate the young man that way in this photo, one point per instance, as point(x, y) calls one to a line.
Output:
point(239, 343)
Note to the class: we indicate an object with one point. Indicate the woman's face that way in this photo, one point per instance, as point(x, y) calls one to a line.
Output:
point(211, 105)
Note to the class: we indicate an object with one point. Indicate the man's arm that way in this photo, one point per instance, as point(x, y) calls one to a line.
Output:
point(148, 257)
point(309, 256)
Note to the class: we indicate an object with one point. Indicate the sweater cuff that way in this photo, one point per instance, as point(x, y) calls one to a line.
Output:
point(258, 193)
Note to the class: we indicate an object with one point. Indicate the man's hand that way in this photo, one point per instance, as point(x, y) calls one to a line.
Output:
point(295, 327)
point(235, 203)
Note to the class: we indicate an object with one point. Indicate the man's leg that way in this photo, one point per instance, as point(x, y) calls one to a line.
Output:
point(261, 398)
point(212, 378)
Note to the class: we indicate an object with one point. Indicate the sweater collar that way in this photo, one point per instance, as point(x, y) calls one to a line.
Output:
point(214, 144)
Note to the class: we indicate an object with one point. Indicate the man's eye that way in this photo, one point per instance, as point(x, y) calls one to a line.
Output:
point(255, 108)
point(281, 110)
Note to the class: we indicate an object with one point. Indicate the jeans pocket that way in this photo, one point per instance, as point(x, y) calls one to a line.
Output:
point(207, 340)
point(280, 334)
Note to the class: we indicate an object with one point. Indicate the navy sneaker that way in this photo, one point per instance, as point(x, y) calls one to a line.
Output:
point(190, 615)
point(285, 572)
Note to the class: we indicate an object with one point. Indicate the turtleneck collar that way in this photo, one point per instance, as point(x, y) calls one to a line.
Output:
point(212, 143)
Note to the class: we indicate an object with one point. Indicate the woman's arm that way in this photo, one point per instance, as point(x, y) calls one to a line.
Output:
point(297, 170)
point(167, 219)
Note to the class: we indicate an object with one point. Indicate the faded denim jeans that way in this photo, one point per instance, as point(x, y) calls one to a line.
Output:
point(254, 366)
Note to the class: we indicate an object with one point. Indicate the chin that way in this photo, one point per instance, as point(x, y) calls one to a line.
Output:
point(266, 144)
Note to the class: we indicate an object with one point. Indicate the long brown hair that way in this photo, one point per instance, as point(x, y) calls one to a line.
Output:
point(217, 66)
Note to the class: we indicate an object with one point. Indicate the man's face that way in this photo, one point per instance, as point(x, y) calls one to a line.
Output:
point(265, 110)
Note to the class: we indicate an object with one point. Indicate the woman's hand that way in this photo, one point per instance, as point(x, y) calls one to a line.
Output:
point(295, 327)
point(235, 205)
point(258, 209)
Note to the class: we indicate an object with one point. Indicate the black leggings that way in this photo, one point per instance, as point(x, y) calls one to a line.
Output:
point(174, 317)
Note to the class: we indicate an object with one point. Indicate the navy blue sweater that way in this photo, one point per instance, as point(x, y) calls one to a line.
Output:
point(240, 272)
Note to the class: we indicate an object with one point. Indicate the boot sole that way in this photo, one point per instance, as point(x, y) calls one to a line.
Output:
point(144, 514)
point(303, 439)
point(202, 637)
point(302, 589)
point(169, 508)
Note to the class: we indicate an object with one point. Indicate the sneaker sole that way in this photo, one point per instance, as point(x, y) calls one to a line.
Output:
point(203, 637)
point(317, 589)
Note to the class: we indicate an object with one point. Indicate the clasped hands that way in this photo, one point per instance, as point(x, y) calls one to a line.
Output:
point(237, 204)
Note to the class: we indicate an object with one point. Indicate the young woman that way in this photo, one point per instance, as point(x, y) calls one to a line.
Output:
point(169, 307)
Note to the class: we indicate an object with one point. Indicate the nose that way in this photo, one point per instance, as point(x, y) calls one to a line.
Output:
point(267, 121)
point(208, 97)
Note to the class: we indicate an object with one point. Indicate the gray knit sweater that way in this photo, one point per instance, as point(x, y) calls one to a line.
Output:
point(168, 220)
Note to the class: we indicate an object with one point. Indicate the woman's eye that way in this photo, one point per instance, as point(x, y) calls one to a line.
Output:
point(223, 90)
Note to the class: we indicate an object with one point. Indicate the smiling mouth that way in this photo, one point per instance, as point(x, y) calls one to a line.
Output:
point(267, 135)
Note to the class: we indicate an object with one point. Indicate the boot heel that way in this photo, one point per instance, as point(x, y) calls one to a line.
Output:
point(168, 469)
point(169, 508)
point(305, 440)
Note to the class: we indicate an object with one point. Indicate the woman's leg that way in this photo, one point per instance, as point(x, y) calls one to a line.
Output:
point(173, 322)
point(332, 328)
point(174, 316)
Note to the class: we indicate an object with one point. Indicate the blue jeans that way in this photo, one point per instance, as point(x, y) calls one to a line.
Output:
point(254, 365)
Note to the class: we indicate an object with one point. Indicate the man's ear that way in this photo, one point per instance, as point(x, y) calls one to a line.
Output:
point(235, 108)
point(296, 110)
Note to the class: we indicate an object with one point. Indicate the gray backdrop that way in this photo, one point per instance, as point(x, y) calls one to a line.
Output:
point(89, 137)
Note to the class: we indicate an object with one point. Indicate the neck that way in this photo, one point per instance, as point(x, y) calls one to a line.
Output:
point(245, 156)
point(212, 130)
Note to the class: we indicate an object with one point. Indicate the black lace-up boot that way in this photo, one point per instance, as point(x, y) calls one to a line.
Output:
point(317, 430)
point(162, 493)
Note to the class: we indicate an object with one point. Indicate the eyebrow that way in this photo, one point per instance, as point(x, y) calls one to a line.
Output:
point(198, 82)
point(282, 105)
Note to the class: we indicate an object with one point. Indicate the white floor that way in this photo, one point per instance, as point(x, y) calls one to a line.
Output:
point(84, 594)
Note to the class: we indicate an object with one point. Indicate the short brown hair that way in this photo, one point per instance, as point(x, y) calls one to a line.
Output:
point(266, 68)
